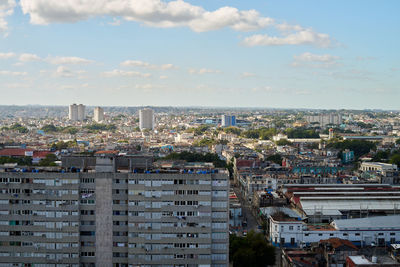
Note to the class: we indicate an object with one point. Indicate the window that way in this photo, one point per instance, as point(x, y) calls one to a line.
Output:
point(290, 227)
point(87, 254)
point(88, 233)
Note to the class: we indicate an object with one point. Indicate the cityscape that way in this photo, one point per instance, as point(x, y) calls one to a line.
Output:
point(183, 133)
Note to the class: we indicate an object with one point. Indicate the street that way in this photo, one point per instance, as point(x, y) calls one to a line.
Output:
point(248, 216)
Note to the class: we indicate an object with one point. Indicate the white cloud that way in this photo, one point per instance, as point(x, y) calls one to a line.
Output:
point(230, 17)
point(203, 71)
point(29, 57)
point(118, 73)
point(136, 63)
point(62, 71)
point(163, 77)
point(168, 66)
point(115, 22)
point(303, 37)
point(17, 85)
point(309, 57)
point(247, 75)
point(68, 60)
point(142, 64)
point(12, 73)
point(7, 55)
point(6, 9)
point(156, 13)
point(145, 87)
point(285, 27)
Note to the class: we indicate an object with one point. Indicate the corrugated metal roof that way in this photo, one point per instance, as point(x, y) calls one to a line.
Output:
point(333, 207)
point(271, 210)
point(379, 222)
point(347, 197)
point(350, 193)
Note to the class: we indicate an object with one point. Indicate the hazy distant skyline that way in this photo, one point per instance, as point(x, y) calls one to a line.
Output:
point(278, 54)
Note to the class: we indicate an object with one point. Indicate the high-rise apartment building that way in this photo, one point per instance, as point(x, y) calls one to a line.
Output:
point(81, 112)
point(98, 114)
point(228, 120)
point(325, 119)
point(146, 119)
point(73, 112)
point(77, 112)
point(109, 218)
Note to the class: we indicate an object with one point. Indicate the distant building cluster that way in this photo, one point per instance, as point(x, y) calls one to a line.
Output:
point(77, 112)
point(325, 119)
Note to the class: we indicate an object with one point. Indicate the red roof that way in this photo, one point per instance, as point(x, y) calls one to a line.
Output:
point(14, 152)
point(337, 242)
point(41, 154)
point(20, 152)
point(250, 163)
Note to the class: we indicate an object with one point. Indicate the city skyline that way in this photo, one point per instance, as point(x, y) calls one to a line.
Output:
point(187, 53)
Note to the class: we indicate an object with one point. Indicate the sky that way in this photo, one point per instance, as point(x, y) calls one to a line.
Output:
point(273, 54)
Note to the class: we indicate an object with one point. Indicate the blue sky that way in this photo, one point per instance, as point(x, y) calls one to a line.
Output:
point(288, 54)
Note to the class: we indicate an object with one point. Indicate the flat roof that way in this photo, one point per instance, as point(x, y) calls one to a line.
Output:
point(333, 207)
point(348, 197)
point(360, 260)
point(345, 192)
point(337, 185)
point(379, 222)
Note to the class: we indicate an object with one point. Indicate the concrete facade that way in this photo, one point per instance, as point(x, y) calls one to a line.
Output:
point(114, 219)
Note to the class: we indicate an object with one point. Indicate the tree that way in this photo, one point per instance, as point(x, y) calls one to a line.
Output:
point(50, 128)
point(276, 158)
point(49, 160)
point(360, 147)
point(232, 130)
point(17, 127)
point(395, 159)
point(301, 133)
point(101, 127)
point(251, 250)
point(283, 142)
point(262, 133)
point(196, 157)
point(24, 161)
point(63, 145)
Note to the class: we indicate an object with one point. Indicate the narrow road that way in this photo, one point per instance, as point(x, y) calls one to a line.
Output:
point(247, 212)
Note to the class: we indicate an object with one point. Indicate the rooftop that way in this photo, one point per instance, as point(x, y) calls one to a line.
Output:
point(379, 222)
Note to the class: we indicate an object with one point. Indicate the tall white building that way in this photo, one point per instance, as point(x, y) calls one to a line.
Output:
point(73, 112)
point(98, 114)
point(76, 112)
point(146, 119)
point(81, 112)
point(228, 120)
